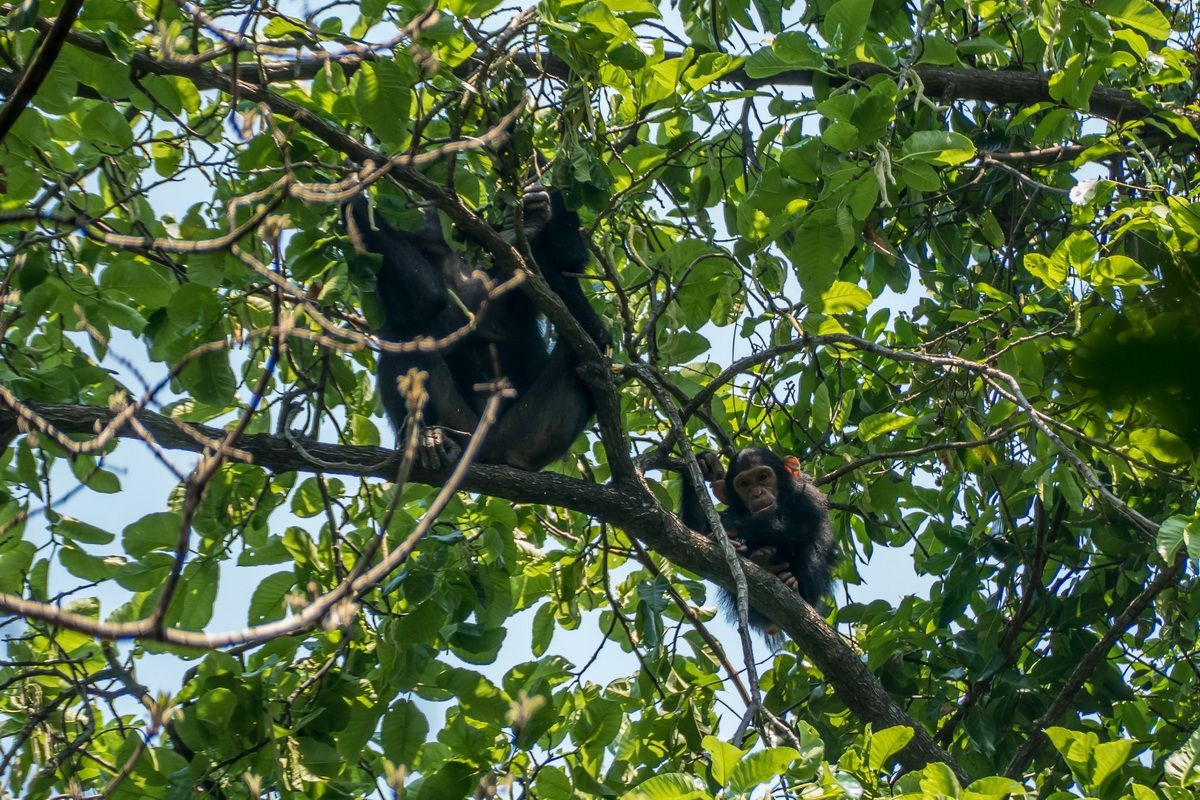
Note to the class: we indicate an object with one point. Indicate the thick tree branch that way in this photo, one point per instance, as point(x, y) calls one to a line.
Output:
point(640, 516)
point(997, 87)
point(945, 83)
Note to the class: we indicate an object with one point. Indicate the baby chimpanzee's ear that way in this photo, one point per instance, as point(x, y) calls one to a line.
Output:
point(792, 465)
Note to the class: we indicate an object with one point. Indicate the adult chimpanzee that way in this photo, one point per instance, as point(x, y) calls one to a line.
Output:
point(427, 289)
point(776, 517)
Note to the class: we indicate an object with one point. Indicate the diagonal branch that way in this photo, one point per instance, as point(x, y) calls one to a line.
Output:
point(639, 515)
point(1165, 579)
point(37, 69)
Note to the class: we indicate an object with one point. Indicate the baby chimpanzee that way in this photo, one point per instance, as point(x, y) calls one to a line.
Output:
point(777, 518)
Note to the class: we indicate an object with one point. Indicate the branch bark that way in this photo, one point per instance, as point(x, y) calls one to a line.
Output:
point(640, 516)
point(998, 87)
point(947, 83)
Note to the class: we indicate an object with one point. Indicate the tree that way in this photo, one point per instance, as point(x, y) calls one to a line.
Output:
point(947, 255)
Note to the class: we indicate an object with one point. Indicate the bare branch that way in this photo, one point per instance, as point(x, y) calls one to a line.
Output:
point(37, 69)
point(1095, 656)
point(361, 580)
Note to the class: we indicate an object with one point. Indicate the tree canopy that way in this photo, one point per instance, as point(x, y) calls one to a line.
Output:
point(947, 254)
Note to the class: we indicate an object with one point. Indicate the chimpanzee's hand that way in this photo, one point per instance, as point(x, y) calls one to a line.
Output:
point(739, 546)
point(535, 213)
point(710, 466)
point(712, 471)
point(437, 451)
point(765, 558)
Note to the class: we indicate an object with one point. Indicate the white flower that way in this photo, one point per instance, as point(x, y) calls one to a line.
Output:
point(1084, 192)
point(1155, 63)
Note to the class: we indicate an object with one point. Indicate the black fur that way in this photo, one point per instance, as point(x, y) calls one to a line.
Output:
point(423, 285)
point(793, 539)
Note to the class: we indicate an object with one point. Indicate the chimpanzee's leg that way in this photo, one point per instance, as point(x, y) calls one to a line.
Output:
point(540, 425)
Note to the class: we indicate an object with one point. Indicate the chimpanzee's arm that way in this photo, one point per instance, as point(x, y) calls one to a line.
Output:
point(411, 281)
point(561, 254)
point(690, 512)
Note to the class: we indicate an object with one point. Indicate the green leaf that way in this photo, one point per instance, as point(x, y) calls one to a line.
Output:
point(471, 8)
point(271, 551)
point(144, 283)
point(1119, 271)
point(107, 129)
point(945, 148)
point(920, 176)
point(192, 606)
point(280, 27)
point(707, 68)
point(669, 786)
point(307, 499)
point(1079, 250)
point(1109, 759)
point(373, 9)
point(843, 297)
point(634, 10)
point(1161, 445)
point(821, 408)
point(381, 95)
point(477, 644)
point(1137, 14)
point(883, 423)
point(817, 252)
point(551, 781)
point(1050, 271)
point(403, 732)
point(1073, 84)
point(723, 757)
point(14, 565)
point(157, 531)
point(845, 23)
point(454, 779)
point(1183, 766)
point(937, 780)
point(790, 51)
point(602, 31)
point(543, 629)
point(1075, 749)
point(89, 567)
point(163, 92)
point(760, 767)
point(145, 574)
point(215, 707)
point(842, 136)
point(885, 744)
point(57, 91)
point(994, 788)
point(978, 46)
point(269, 600)
point(80, 531)
point(1175, 532)
point(96, 479)
point(481, 698)
point(209, 378)
point(320, 758)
